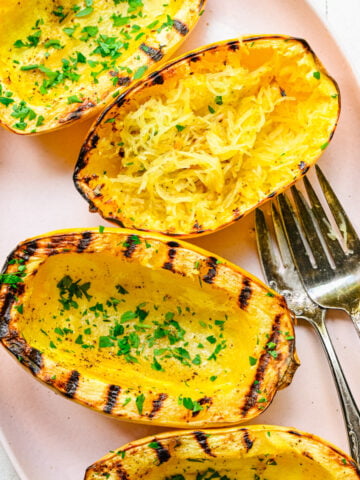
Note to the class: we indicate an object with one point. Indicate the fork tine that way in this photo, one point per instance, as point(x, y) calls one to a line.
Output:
point(335, 249)
point(350, 236)
point(281, 238)
point(265, 248)
point(295, 241)
point(309, 228)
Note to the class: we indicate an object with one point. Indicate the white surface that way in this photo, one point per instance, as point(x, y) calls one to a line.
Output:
point(53, 438)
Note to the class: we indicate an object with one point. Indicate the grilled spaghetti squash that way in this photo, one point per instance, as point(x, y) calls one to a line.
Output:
point(63, 60)
point(256, 452)
point(200, 143)
point(144, 328)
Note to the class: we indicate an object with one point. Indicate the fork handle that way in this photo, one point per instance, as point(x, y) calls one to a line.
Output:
point(349, 408)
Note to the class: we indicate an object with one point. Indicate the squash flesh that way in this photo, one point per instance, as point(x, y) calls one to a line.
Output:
point(160, 297)
point(219, 136)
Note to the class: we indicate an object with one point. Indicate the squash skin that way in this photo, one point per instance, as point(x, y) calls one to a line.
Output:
point(85, 178)
point(261, 448)
point(161, 406)
point(155, 47)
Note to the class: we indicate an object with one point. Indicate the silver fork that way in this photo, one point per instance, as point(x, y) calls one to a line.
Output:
point(283, 277)
point(334, 282)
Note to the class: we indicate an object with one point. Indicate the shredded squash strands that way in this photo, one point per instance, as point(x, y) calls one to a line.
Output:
point(209, 146)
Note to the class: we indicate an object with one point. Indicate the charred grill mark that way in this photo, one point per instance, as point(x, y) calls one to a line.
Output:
point(308, 455)
point(171, 255)
point(78, 112)
point(156, 78)
point(233, 46)
point(119, 102)
point(94, 140)
point(202, 401)
point(201, 438)
point(5, 316)
point(252, 396)
point(35, 361)
point(122, 474)
point(157, 404)
point(17, 346)
point(172, 244)
point(30, 249)
point(162, 453)
point(271, 195)
point(154, 53)
point(295, 433)
point(123, 81)
point(180, 27)
point(212, 272)
point(113, 393)
point(84, 242)
point(72, 384)
point(247, 440)
point(245, 294)
point(131, 242)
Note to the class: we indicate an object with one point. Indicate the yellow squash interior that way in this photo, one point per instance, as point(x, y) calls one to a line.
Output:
point(219, 136)
point(54, 57)
point(257, 452)
point(188, 323)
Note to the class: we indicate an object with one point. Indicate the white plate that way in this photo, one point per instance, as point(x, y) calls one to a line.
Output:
point(49, 437)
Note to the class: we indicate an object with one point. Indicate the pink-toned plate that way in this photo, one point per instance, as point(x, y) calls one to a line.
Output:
point(49, 437)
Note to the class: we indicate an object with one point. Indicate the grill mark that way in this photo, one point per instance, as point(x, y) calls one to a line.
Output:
point(233, 46)
point(162, 453)
point(271, 195)
point(78, 112)
point(124, 81)
point(113, 393)
point(30, 249)
point(131, 242)
point(203, 401)
point(251, 397)
point(157, 404)
point(72, 384)
point(157, 79)
point(35, 362)
point(247, 440)
point(173, 244)
point(201, 438)
point(308, 455)
point(154, 53)
point(84, 241)
point(212, 272)
point(180, 27)
point(122, 474)
point(94, 140)
point(17, 346)
point(171, 255)
point(5, 314)
point(245, 294)
point(295, 433)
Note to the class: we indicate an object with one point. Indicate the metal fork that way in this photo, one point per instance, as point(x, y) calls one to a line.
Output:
point(283, 277)
point(334, 282)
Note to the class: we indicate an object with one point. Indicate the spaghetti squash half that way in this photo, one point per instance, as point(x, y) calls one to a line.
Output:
point(64, 60)
point(212, 135)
